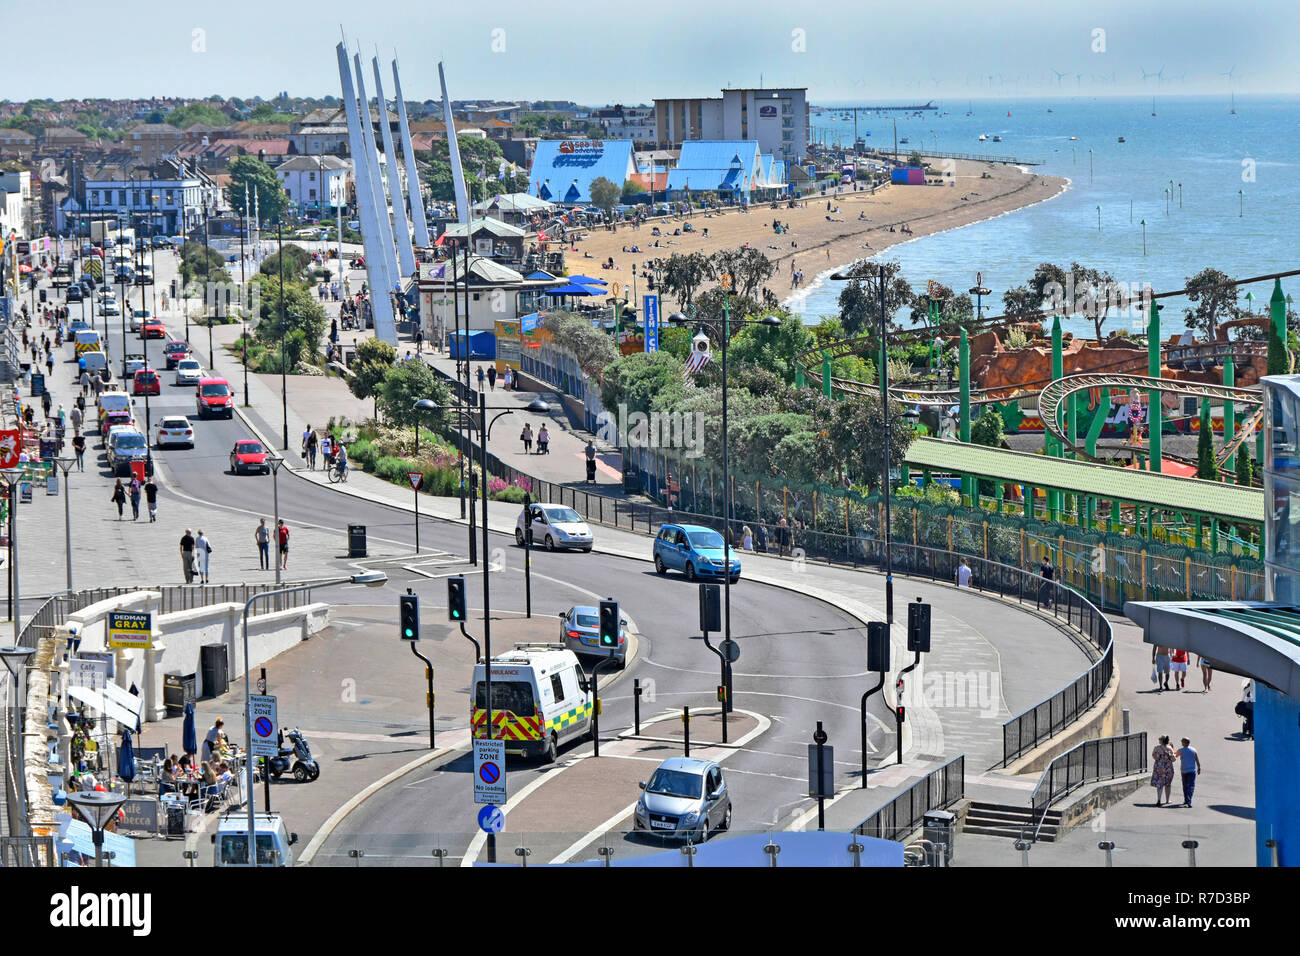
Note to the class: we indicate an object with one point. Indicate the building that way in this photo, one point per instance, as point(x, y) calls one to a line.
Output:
point(497, 240)
point(61, 139)
point(326, 131)
point(310, 181)
point(636, 123)
point(166, 197)
point(16, 204)
point(150, 142)
point(494, 291)
point(514, 208)
point(735, 170)
point(776, 119)
point(16, 142)
point(563, 170)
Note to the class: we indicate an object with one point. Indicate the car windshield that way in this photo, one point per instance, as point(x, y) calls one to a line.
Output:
point(188, 365)
point(588, 620)
point(705, 539)
point(562, 514)
point(220, 391)
point(248, 448)
point(512, 695)
point(130, 440)
point(676, 783)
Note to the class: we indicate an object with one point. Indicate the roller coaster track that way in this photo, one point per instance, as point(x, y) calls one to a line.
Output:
point(1053, 395)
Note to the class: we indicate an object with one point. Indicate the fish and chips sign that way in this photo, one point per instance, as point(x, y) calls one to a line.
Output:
point(580, 152)
point(130, 629)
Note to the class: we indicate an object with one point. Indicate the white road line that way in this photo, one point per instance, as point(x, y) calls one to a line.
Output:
point(689, 670)
point(476, 844)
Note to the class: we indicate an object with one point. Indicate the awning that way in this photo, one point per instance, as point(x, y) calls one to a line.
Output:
point(573, 289)
point(79, 839)
point(108, 707)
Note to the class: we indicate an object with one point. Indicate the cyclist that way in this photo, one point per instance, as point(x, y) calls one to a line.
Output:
point(341, 457)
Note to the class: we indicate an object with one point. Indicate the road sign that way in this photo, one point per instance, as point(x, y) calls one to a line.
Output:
point(828, 772)
point(730, 650)
point(489, 771)
point(128, 629)
point(415, 478)
point(265, 741)
point(491, 819)
point(87, 673)
point(261, 685)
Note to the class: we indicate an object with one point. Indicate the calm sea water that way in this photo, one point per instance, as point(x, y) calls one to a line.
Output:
point(1192, 141)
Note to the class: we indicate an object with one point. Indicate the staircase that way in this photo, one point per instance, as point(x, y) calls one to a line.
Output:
point(1001, 820)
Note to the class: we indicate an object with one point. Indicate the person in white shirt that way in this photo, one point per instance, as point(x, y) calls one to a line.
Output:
point(963, 574)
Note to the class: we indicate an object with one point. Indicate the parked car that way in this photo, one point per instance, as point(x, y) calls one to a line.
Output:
point(580, 633)
point(249, 457)
point(175, 430)
point(685, 797)
point(693, 549)
point(554, 527)
point(189, 372)
point(125, 445)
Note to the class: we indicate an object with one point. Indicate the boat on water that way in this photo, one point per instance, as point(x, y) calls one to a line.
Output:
point(983, 137)
point(1232, 111)
point(1121, 139)
point(1153, 106)
point(1073, 138)
point(997, 139)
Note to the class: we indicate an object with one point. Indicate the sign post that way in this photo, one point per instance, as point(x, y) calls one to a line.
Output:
point(821, 773)
point(416, 479)
point(490, 784)
point(262, 713)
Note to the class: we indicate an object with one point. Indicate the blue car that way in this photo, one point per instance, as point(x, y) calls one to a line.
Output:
point(694, 550)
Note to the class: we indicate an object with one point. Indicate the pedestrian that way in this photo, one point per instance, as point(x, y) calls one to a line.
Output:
point(135, 499)
point(75, 416)
point(151, 498)
point(481, 375)
point(760, 536)
point(119, 497)
point(590, 452)
point(782, 536)
point(46, 402)
point(1162, 769)
point(963, 574)
point(263, 538)
point(1189, 762)
point(98, 384)
point(526, 436)
point(1160, 673)
point(79, 447)
point(1178, 665)
point(508, 379)
point(306, 439)
point(419, 341)
point(85, 381)
point(282, 535)
point(187, 555)
point(61, 417)
point(746, 539)
point(203, 552)
point(49, 363)
point(311, 451)
point(1245, 708)
point(1046, 593)
point(1207, 672)
point(492, 378)
point(543, 441)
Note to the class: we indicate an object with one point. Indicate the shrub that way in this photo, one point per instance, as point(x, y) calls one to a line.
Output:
point(511, 493)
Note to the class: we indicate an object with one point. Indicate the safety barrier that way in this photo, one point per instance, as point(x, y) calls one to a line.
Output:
point(1092, 761)
point(937, 790)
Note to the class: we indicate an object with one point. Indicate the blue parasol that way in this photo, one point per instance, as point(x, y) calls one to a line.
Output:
point(189, 740)
point(126, 758)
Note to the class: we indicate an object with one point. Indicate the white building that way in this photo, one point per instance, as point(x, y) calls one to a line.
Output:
point(165, 197)
point(16, 204)
point(311, 182)
point(776, 119)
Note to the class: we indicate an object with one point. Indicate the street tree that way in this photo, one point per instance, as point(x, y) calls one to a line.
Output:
point(685, 273)
point(404, 385)
point(259, 178)
point(604, 195)
point(857, 437)
point(302, 313)
point(1213, 301)
point(374, 358)
point(860, 298)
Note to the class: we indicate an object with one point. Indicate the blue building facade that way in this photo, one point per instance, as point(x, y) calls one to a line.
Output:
point(563, 170)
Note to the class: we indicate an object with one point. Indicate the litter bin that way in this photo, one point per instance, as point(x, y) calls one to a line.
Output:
point(215, 665)
point(938, 829)
point(178, 690)
point(138, 466)
point(356, 541)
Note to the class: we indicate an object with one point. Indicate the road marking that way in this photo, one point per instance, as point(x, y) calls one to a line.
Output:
point(688, 670)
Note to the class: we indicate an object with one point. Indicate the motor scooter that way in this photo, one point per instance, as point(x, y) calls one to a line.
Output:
point(304, 765)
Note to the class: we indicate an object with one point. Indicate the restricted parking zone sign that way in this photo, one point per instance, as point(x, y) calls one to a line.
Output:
point(265, 724)
point(490, 771)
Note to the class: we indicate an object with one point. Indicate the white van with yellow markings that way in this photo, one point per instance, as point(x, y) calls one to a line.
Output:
point(540, 699)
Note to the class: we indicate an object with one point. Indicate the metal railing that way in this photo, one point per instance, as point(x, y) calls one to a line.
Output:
point(186, 597)
point(1092, 761)
point(937, 790)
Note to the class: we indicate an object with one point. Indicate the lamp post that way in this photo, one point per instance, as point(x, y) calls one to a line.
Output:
point(98, 807)
point(14, 659)
point(65, 465)
point(12, 476)
point(243, 294)
point(884, 409)
point(284, 331)
point(1099, 219)
point(770, 321)
point(275, 461)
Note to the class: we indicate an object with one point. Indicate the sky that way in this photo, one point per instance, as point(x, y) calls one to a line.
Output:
point(601, 52)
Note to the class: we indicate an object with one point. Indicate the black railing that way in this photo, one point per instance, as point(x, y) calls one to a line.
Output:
point(937, 790)
point(1090, 762)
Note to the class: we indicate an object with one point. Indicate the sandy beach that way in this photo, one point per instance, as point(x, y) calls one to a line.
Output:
point(815, 244)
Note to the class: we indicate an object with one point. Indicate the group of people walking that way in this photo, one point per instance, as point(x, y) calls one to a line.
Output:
point(1162, 770)
point(132, 492)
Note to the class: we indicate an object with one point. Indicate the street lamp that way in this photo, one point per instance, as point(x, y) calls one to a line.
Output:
point(851, 273)
point(98, 807)
point(423, 405)
point(284, 331)
point(275, 461)
point(65, 465)
point(12, 476)
point(371, 579)
point(771, 321)
point(14, 659)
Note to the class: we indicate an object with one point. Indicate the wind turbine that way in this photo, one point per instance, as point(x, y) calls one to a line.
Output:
point(1158, 74)
point(1078, 81)
point(1230, 72)
point(1059, 75)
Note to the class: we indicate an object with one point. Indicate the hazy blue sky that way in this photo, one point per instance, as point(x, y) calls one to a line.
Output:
point(596, 52)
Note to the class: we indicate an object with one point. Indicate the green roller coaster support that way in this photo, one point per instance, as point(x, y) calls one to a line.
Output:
point(1214, 535)
point(826, 375)
point(1114, 516)
point(1229, 413)
point(1097, 424)
point(799, 381)
point(1155, 413)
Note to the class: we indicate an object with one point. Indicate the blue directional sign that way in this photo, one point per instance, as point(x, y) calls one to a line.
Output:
point(651, 312)
point(491, 819)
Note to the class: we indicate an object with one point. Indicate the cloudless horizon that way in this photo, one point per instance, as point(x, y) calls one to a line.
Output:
point(594, 54)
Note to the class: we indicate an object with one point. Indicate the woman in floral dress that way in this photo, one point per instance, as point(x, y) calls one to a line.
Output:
point(1162, 769)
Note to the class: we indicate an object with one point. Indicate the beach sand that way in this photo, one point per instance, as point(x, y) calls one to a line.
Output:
point(820, 244)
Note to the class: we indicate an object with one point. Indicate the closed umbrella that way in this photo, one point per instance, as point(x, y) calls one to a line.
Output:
point(189, 739)
point(126, 760)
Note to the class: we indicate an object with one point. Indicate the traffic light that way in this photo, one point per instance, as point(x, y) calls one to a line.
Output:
point(609, 624)
point(456, 599)
point(877, 646)
point(710, 609)
point(918, 627)
point(902, 713)
point(409, 614)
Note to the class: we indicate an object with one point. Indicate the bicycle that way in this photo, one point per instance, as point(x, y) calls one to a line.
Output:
point(337, 472)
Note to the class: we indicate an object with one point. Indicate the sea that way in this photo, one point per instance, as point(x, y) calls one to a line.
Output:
point(1215, 189)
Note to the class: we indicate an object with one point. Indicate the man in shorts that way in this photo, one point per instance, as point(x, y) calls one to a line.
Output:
point(1160, 657)
point(282, 537)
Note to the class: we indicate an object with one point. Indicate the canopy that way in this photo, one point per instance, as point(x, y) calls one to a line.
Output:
point(79, 839)
point(573, 289)
point(540, 276)
point(106, 706)
point(126, 758)
point(587, 280)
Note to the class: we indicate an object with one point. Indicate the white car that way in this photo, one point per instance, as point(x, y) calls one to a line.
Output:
point(106, 294)
point(555, 527)
point(175, 430)
point(110, 308)
point(188, 372)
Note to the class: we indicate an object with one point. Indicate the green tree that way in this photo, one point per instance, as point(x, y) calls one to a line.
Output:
point(856, 435)
point(200, 263)
point(374, 359)
point(916, 159)
point(1018, 303)
point(770, 347)
point(1046, 286)
point(860, 298)
point(1244, 466)
point(183, 117)
point(296, 262)
point(592, 347)
point(404, 385)
point(1213, 301)
point(632, 191)
point(302, 312)
point(643, 382)
point(260, 178)
point(987, 429)
point(1206, 467)
point(684, 273)
point(604, 195)
point(758, 438)
point(748, 268)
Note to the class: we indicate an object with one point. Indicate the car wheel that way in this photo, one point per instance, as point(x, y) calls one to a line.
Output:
point(550, 543)
point(690, 571)
point(552, 749)
point(704, 831)
point(519, 537)
point(726, 820)
point(586, 550)
point(660, 567)
point(735, 578)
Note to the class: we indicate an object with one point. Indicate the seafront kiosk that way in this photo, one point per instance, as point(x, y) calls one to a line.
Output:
point(1259, 640)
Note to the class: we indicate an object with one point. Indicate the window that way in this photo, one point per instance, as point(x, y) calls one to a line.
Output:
point(514, 696)
point(557, 689)
point(1283, 452)
point(311, 177)
point(787, 134)
point(1283, 530)
point(311, 194)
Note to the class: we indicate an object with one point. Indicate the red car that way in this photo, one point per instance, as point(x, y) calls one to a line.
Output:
point(146, 382)
point(153, 329)
point(114, 418)
point(175, 350)
point(248, 457)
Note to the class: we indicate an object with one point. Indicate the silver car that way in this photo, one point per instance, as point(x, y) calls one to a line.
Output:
point(554, 527)
point(188, 372)
point(685, 798)
point(580, 633)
